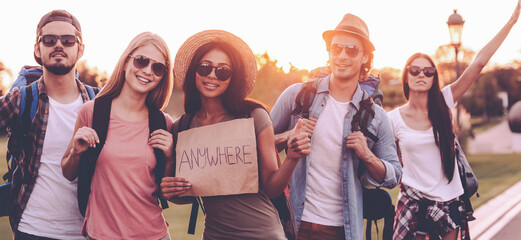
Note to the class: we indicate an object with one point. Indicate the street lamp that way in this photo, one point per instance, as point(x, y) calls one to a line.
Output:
point(455, 23)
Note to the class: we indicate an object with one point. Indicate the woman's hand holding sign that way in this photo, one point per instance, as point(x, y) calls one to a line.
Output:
point(172, 187)
point(299, 144)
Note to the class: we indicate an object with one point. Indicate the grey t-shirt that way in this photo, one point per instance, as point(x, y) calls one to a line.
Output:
point(243, 216)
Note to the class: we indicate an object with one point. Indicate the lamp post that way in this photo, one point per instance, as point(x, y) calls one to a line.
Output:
point(455, 24)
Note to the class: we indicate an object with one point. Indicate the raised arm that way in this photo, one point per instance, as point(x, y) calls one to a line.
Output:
point(469, 76)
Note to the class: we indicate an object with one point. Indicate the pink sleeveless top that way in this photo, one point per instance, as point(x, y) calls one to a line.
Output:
point(122, 202)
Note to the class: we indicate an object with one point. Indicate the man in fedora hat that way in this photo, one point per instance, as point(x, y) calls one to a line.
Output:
point(326, 187)
point(43, 204)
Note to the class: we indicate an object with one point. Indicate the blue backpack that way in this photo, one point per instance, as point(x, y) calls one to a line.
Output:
point(26, 82)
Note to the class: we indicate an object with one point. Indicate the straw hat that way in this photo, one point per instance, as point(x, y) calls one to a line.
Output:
point(192, 44)
point(353, 25)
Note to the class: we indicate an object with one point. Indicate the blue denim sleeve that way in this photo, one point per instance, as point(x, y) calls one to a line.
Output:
point(281, 111)
point(385, 150)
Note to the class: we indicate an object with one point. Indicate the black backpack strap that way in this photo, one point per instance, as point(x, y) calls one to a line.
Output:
point(184, 124)
point(25, 126)
point(156, 120)
point(305, 98)
point(100, 123)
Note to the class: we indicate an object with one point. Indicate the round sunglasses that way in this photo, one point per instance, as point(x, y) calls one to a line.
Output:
point(222, 73)
point(351, 50)
point(427, 71)
point(141, 61)
point(49, 40)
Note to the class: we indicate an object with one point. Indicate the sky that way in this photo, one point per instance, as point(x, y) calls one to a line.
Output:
point(289, 30)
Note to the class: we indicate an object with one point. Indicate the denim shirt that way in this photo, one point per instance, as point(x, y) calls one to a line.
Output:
point(384, 149)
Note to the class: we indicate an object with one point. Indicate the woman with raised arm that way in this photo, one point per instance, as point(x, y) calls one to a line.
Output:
point(429, 202)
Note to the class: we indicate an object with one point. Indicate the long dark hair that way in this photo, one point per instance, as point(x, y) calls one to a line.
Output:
point(234, 98)
point(439, 115)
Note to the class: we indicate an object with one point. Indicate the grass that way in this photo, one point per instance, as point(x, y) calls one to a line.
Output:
point(496, 173)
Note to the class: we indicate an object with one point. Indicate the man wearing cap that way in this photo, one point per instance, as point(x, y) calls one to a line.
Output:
point(326, 189)
point(43, 203)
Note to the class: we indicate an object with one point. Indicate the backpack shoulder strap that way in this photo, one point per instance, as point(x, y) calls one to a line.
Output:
point(91, 91)
point(184, 124)
point(100, 123)
point(364, 116)
point(156, 120)
point(305, 98)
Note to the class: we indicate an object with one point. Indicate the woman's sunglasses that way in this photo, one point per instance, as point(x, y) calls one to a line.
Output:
point(50, 40)
point(222, 73)
point(427, 71)
point(141, 61)
point(351, 50)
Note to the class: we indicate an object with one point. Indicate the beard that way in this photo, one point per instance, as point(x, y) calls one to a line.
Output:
point(59, 68)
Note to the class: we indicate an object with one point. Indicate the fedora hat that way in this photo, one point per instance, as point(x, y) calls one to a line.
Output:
point(351, 24)
point(187, 51)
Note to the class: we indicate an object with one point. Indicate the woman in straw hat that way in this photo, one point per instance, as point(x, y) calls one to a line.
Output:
point(123, 192)
point(429, 201)
point(217, 70)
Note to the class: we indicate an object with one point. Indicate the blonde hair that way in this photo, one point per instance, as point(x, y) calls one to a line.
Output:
point(160, 95)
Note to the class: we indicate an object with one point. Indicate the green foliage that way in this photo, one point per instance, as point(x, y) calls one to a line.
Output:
point(272, 80)
point(481, 99)
point(90, 76)
point(508, 80)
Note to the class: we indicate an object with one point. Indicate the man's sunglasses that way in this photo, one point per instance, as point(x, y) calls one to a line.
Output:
point(222, 73)
point(427, 71)
point(141, 61)
point(351, 50)
point(50, 40)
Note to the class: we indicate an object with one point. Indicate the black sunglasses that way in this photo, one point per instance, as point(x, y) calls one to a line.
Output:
point(222, 73)
point(141, 61)
point(351, 50)
point(50, 40)
point(427, 71)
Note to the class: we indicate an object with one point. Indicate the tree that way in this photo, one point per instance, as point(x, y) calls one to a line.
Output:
point(90, 76)
point(482, 98)
point(444, 58)
point(3, 72)
point(391, 86)
point(272, 80)
point(508, 80)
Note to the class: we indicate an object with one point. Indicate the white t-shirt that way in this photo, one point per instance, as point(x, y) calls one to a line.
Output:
point(324, 203)
point(422, 167)
point(52, 210)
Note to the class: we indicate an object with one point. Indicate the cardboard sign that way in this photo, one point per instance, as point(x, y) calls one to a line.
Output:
point(219, 159)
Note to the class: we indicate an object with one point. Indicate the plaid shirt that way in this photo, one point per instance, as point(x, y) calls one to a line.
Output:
point(416, 215)
point(24, 176)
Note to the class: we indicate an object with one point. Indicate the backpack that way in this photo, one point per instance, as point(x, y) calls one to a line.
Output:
point(26, 82)
point(100, 123)
point(281, 203)
point(377, 203)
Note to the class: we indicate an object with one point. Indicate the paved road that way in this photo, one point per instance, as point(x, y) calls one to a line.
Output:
point(499, 218)
point(498, 139)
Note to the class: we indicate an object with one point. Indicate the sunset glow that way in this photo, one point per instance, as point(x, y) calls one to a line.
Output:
point(290, 31)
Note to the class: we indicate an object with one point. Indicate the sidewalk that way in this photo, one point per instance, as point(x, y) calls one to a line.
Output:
point(498, 139)
point(494, 215)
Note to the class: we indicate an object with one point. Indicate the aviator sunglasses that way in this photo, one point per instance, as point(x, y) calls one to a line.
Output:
point(222, 73)
point(427, 71)
point(141, 61)
point(351, 50)
point(50, 40)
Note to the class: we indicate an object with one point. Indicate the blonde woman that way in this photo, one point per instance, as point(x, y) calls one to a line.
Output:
point(123, 193)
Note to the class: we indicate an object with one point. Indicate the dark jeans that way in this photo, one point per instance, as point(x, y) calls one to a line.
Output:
point(24, 236)
point(313, 231)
